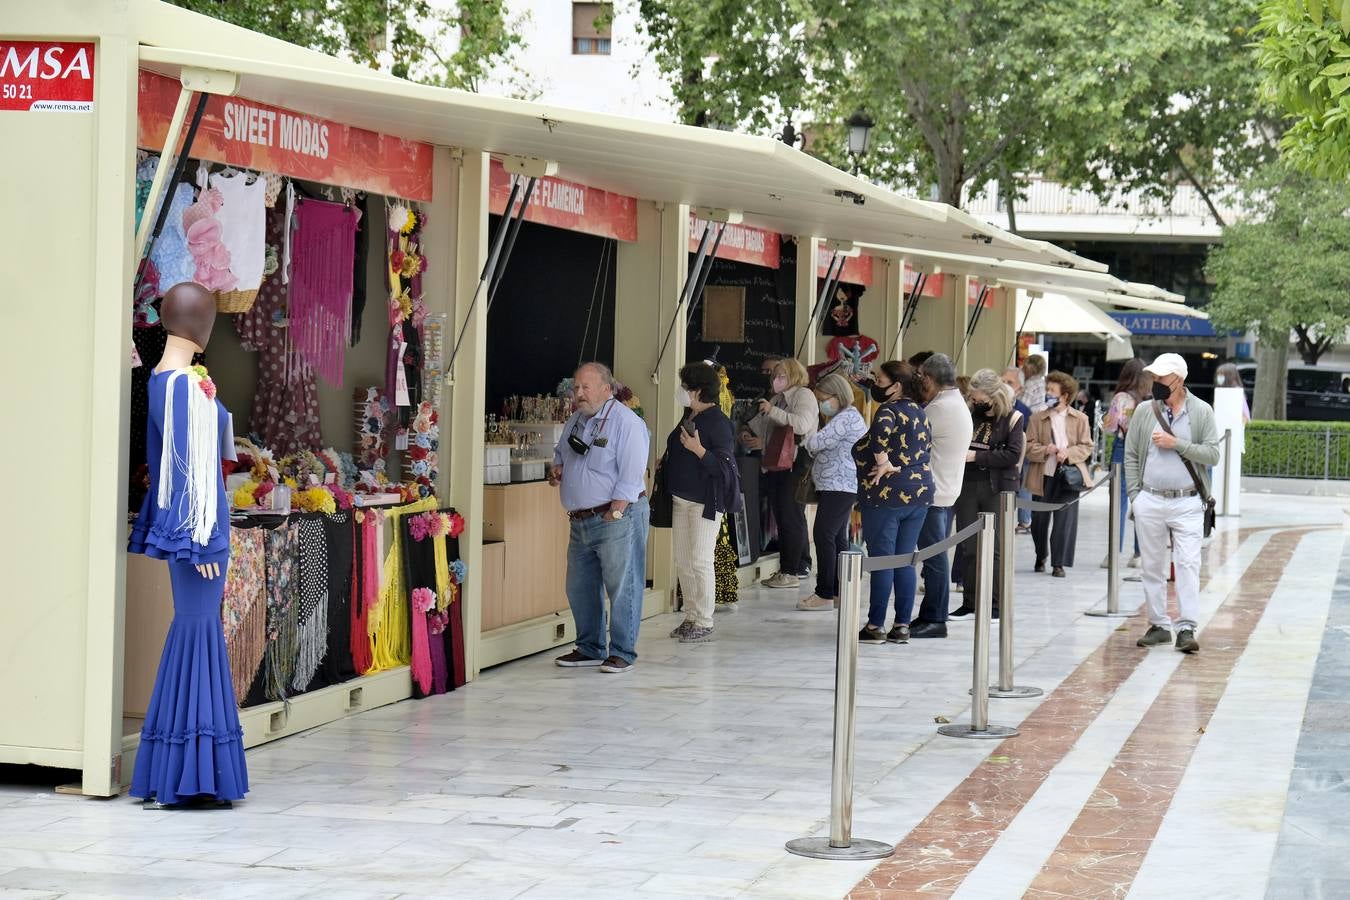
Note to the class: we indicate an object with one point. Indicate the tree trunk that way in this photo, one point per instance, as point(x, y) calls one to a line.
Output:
point(1009, 191)
point(1272, 376)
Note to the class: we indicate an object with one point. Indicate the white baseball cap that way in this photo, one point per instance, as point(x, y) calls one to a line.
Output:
point(1168, 364)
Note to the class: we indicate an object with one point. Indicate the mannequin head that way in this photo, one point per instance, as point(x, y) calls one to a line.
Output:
point(189, 312)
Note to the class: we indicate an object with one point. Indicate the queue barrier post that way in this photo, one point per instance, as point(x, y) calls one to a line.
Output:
point(979, 727)
point(841, 844)
point(1007, 530)
point(1113, 533)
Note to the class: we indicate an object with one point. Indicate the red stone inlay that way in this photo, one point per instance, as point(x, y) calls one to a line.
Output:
point(936, 856)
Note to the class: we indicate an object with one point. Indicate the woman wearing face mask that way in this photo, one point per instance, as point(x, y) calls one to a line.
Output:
point(1228, 376)
point(792, 405)
point(992, 466)
point(836, 480)
point(1132, 387)
point(896, 488)
point(1058, 437)
point(702, 478)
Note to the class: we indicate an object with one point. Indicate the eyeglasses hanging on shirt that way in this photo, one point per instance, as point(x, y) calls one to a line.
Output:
point(580, 447)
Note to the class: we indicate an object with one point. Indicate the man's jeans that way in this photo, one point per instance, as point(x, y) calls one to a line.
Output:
point(936, 575)
point(608, 557)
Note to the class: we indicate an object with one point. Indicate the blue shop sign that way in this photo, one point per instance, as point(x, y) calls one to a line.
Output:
point(1164, 323)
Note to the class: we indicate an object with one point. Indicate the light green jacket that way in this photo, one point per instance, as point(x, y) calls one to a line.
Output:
point(1202, 449)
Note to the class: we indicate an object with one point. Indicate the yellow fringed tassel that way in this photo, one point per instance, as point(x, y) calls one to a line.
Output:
point(390, 622)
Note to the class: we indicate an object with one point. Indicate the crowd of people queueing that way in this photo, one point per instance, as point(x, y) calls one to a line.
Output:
point(918, 451)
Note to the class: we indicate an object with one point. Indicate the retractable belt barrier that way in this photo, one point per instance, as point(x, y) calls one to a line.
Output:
point(1042, 506)
point(877, 563)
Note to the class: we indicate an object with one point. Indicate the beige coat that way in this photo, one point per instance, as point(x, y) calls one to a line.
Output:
point(1041, 445)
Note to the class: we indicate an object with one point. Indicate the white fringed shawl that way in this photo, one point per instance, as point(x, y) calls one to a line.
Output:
point(201, 465)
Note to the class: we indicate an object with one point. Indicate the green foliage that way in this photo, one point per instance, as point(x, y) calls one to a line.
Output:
point(964, 91)
point(1297, 449)
point(1305, 53)
point(403, 37)
point(1287, 264)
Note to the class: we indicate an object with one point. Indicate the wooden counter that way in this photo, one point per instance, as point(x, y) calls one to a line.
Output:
point(529, 565)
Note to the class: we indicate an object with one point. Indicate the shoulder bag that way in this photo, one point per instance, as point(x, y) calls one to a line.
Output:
point(1205, 497)
point(661, 504)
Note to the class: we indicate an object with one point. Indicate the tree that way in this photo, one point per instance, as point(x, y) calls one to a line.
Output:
point(1285, 267)
point(404, 37)
point(1305, 54)
point(968, 91)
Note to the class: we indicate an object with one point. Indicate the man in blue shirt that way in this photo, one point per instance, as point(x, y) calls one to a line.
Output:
point(601, 464)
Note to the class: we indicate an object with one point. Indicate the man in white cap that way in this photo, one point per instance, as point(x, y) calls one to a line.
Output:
point(1166, 499)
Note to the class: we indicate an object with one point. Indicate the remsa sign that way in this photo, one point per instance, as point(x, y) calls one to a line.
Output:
point(56, 76)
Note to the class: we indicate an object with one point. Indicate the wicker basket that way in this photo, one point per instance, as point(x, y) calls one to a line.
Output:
point(235, 301)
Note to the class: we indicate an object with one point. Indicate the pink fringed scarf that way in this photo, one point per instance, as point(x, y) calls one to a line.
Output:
point(323, 250)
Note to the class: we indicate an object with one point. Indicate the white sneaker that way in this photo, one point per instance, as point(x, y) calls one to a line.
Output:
point(782, 580)
point(1134, 561)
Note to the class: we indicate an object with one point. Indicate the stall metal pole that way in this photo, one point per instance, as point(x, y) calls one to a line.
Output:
point(979, 727)
point(1227, 465)
point(1113, 535)
point(1007, 531)
point(841, 844)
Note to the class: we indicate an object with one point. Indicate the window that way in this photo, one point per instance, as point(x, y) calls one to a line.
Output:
point(591, 28)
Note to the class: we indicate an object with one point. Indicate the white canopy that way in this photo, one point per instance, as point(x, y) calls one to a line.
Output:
point(1062, 314)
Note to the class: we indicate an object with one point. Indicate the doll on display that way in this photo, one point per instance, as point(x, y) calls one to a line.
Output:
point(191, 749)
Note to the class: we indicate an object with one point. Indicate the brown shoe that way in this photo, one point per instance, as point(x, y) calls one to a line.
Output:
point(1057, 572)
point(576, 660)
point(617, 666)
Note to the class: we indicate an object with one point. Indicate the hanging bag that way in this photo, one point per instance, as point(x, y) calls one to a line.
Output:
point(781, 451)
point(1205, 497)
point(661, 504)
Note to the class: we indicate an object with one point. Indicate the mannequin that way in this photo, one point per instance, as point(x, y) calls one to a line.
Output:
point(191, 749)
point(188, 313)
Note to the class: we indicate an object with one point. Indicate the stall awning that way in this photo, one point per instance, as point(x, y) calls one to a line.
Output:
point(776, 187)
point(989, 264)
point(1062, 314)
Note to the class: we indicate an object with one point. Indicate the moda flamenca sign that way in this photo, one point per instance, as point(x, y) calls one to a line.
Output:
point(566, 204)
point(55, 76)
point(251, 135)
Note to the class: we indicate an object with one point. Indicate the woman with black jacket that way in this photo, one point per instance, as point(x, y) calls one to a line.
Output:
point(993, 465)
point(704, 483)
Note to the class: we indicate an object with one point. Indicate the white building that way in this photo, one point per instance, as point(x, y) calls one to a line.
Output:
point(568, 61)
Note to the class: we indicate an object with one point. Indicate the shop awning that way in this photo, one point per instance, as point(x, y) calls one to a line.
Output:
point(986, 263)
point(1120, 299)
point(1063, 314)
point(775, 186)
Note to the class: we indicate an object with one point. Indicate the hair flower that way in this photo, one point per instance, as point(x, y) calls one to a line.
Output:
point(459, 571)
point(456, 525)
point(423, 599)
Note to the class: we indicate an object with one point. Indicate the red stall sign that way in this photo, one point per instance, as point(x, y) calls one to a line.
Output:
point(973, 294)
point(741, 243)
point(857, 269)
point(566, 204)
point(252, 135)
point(56, 76)
point(931, 288)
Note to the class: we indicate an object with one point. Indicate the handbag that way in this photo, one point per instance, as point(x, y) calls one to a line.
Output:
point(1205, 497)
point(806, 490)
point(661, 503)
point(781, 451)
point(1070, 478)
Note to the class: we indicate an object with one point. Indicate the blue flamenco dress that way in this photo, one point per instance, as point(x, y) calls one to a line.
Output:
point(191, 744)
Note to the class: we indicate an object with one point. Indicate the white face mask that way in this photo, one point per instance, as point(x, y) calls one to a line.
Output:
point(682, 398)
point(1220, 380)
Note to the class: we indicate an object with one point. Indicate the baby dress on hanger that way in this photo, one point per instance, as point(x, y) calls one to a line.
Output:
point(242, 222)
point(170, 253)
point(191, 743)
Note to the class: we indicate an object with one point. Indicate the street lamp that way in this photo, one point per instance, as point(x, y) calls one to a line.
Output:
point(859, 133)
point(790, 136)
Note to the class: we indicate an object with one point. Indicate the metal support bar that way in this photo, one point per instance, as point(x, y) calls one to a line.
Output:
point(974, 321)
point(1007, 531)
point(832, 276)
point(491, 266)
point(841, 844)
point(159, 198)
point(1113, 533)
point(1032, 297)
point(691, 281)
point(696, 297)
point(911, 306)
point(512, 233)
point(979, 727)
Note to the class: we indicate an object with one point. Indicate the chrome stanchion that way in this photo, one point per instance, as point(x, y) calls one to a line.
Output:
point(1007, 531)
point(1113, 551)
point(841, 844)
point(979, 726)
point(1227, 466)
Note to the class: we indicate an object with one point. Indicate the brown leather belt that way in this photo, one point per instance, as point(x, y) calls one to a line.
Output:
point(581, 515)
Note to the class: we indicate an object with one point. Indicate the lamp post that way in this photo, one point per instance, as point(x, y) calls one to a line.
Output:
point(859, 133)
point(790, 136)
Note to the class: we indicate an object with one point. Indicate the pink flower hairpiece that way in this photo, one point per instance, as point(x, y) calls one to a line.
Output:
point(423, 599)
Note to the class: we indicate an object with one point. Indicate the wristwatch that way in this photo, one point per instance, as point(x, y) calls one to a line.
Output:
point(615, 514)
